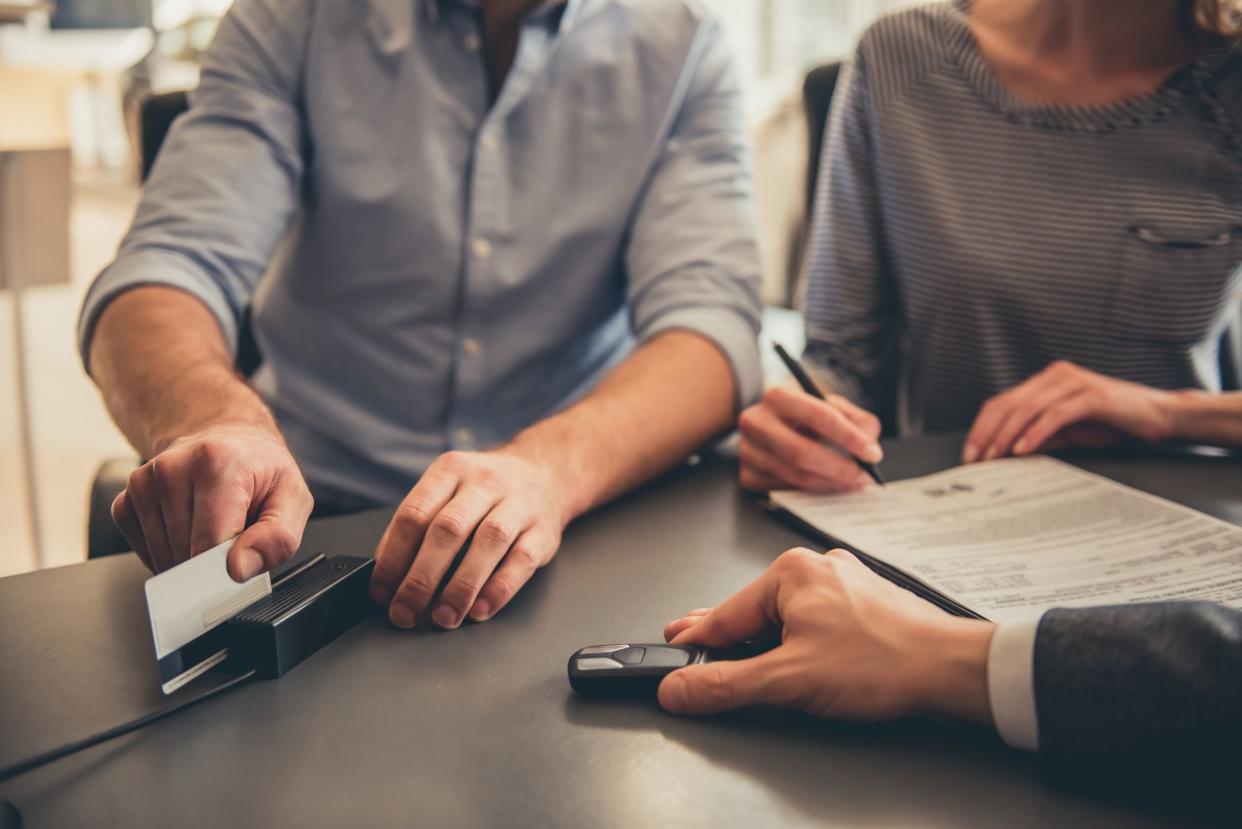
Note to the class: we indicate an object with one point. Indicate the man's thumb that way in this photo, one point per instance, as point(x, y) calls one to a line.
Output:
point(273, 539)
point(715, 687)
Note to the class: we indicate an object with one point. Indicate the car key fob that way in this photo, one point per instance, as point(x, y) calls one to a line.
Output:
point(634, 671)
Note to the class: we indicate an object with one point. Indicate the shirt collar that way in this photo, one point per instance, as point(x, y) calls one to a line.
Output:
point(390, 22)
point(556, 12)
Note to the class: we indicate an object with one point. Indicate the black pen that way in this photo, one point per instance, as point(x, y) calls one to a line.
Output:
point(808, 386)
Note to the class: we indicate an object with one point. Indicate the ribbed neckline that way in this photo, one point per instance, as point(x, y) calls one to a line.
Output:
point(1150, 108)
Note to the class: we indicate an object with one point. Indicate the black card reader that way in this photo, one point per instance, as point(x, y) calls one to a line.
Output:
point(310, 605)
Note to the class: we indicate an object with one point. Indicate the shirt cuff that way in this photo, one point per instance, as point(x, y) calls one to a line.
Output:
point(1011, 683)
point(735, 336)
point(153, 268)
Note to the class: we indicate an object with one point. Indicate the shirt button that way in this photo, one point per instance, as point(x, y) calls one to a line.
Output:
point(463, 438)
point(471, 347)
point(482, 248)
point(488, 142)
point(471, 43)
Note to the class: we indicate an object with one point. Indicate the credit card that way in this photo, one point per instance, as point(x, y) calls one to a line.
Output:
point(187, 603)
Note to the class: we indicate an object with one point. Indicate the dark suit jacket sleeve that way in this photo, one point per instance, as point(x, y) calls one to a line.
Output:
point(1141, 692)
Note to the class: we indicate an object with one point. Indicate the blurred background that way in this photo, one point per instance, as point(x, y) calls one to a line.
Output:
point(75, 76)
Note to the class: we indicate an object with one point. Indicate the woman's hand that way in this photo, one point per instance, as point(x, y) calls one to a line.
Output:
point(791, 440)
point(852, 646)
point(1066, 404)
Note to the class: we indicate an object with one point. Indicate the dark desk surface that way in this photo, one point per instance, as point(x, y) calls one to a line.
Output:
point(478, 727)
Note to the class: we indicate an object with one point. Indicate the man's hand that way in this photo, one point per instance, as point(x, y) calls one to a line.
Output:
point(853, 646)
point(1066, 404)
point(511, 511)
point(790, 440)
point(218, 461)
point(204, 488)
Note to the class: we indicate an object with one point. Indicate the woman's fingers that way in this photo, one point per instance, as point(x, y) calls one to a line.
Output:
point(1007, 415)
point(763, 471)
point(863, 419)
point(1053, 419)
point(825, 421)
point(775, 450)
point(1024, 411)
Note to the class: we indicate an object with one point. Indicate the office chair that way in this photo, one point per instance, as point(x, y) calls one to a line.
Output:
point(817, 91)
point(155, 119)
point(102, 14)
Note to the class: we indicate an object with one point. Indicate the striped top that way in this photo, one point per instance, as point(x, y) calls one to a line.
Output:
point(964, 238)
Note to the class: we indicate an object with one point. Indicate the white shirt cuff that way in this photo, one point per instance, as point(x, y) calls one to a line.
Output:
point(1011, 683)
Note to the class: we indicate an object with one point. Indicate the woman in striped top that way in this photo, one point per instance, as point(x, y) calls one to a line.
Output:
point(1029, 226)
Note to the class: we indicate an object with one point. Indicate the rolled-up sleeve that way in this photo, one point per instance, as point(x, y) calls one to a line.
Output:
point(692, 256)
point(228, 182)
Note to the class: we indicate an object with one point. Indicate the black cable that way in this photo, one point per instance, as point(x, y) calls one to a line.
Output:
point(112, 733)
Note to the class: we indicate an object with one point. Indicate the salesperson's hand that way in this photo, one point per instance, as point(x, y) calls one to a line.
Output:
point(852, 646)
point(1066, 404)
point(791, 440)
point(207, 487)
point(512, 506)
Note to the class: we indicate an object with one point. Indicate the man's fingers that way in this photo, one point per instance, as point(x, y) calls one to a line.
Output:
point(492, 541)
point(220, 511)
point(532, 550)
point(675, 627)
point(823, 420)
point(276, 535)
point(719, 686)
point(144, 500)
point(748, 614)
point(405, 532)
point(445, 537)
point(127, 522)
point(176, 507)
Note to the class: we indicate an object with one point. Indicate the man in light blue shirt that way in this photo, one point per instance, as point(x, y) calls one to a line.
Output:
point(501, 264)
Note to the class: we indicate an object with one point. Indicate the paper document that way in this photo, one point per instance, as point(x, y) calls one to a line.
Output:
point(1015, 537)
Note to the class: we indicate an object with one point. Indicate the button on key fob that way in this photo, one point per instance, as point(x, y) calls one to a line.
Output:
point(625, 671)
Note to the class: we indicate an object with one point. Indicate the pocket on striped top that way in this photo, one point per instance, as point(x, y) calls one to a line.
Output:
point(1177, 287)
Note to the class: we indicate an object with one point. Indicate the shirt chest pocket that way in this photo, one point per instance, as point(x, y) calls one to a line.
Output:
point(1177, 286)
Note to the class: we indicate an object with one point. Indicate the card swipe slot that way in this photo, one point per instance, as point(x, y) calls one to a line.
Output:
point(195, 672)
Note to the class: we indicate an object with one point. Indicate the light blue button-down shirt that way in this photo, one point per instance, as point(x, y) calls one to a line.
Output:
point(452, 269)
